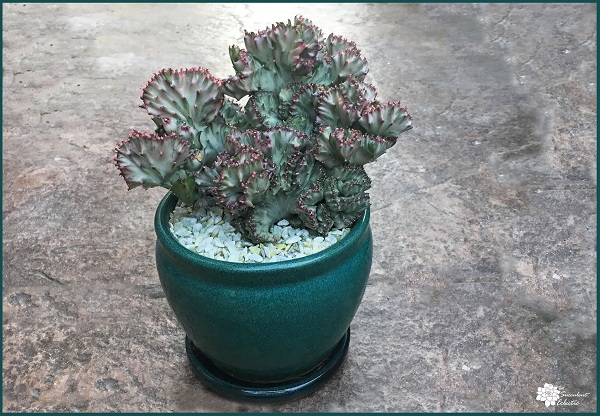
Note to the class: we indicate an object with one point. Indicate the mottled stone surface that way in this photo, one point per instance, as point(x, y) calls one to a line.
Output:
point(483, 286)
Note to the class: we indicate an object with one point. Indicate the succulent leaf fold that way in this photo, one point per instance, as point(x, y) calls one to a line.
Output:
point(191, 96)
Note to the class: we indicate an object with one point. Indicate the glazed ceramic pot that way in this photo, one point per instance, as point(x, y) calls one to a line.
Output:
point(272, 331)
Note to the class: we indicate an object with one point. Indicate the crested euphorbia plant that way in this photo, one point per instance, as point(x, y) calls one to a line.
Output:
point(294, 151)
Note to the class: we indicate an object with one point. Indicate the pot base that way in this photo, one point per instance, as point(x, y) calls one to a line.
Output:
point(230, 387)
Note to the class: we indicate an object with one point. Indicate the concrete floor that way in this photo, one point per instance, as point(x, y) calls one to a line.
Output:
point(483, 286)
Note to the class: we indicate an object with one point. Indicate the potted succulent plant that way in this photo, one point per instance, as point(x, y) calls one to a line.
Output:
point(264, 246)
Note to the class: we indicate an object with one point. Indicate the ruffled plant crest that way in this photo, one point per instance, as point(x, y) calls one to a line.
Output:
point(296, 150)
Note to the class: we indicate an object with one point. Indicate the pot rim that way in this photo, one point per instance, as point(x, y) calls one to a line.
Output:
point(170, 243)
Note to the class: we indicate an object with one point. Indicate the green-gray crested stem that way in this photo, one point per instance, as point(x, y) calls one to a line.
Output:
point(295, 150)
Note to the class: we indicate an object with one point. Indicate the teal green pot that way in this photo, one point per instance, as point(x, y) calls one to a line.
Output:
point(254, 329)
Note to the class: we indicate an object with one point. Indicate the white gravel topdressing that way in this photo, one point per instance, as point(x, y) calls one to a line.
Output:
point(207, 231)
